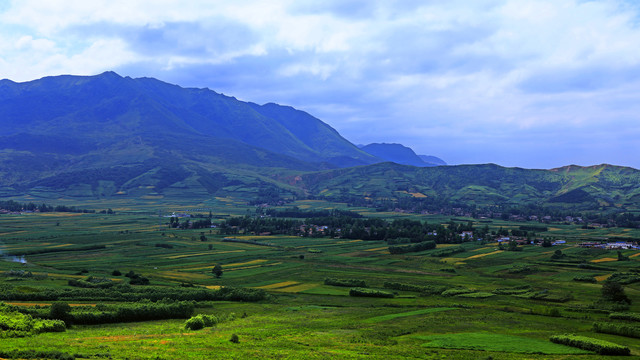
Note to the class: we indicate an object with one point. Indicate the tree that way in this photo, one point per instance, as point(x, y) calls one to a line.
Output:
point(613, 291)
point(60, 311)
point(217, 270)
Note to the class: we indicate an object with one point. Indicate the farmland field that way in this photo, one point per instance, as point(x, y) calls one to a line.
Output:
point(482, 302)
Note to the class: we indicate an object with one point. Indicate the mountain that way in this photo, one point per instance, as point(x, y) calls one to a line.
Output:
point(109, 107)
point(398, 154)
point(106, 134)
point(433, 160)
point(572, 187)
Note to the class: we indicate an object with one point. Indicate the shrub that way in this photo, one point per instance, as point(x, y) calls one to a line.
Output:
point(194, 323)
point(617, 329)
point(424, 289)
point(202, 321)
point(585, 278)
point(599, 346)
point(625, 316)
point(345, 282)
point(143, 310)
point(613, 291)
point(624, 278)
point(370, 293)
point(234, 339)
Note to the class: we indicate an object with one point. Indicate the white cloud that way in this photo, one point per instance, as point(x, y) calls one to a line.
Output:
point(497, 69)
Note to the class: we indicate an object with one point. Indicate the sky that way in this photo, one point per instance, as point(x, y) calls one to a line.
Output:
point(533, 84)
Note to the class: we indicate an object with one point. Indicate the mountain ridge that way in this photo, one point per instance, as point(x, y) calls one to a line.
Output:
point(108, 136)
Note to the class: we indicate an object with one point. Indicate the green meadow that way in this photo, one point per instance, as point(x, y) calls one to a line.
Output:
point(479, 303)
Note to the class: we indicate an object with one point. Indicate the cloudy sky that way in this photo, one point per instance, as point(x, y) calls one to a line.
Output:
point(536, 84)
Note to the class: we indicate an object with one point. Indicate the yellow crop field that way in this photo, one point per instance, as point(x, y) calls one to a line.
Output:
point(482, 255)
point(482, 249)
point(604, 260)
point(635, 255)
point(378, 249)
point(254, 266)
point(176, 275)
point(278, 285)
point(203, 253)
point(602, 277)
point(347, 241)
point(252, 262)
point(418, 195)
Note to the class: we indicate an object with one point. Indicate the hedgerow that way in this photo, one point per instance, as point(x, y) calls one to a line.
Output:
point(617, 329)
point(424, 289)
point(625, 316)
point(16, 324)
point(586, 343)
point(345, 282)
point(140, 311)
point(126, 292)
point(370, 293)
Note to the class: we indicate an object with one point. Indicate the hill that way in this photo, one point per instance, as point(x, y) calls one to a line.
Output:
point(571, 187)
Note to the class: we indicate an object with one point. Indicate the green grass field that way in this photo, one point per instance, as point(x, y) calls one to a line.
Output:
point(304, 317)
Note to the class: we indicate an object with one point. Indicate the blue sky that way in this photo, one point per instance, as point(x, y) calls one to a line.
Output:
point(535, 84)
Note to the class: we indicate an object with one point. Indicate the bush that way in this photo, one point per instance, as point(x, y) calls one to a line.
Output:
point(234, 339)
point(194, 323)
point(625, 316)
point(370, 293)
point(617, 329)
point(424, 289)
point(143, 310)
point(599, 346)
point(522, 268)
point(613, 291)
point(202, 321)
point(585, 278)
point(345, 282)
point(624, 278)
point(16, 324)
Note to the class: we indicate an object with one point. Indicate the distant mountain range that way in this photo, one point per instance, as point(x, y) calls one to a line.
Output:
point(109, 136)
point(401, 154)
